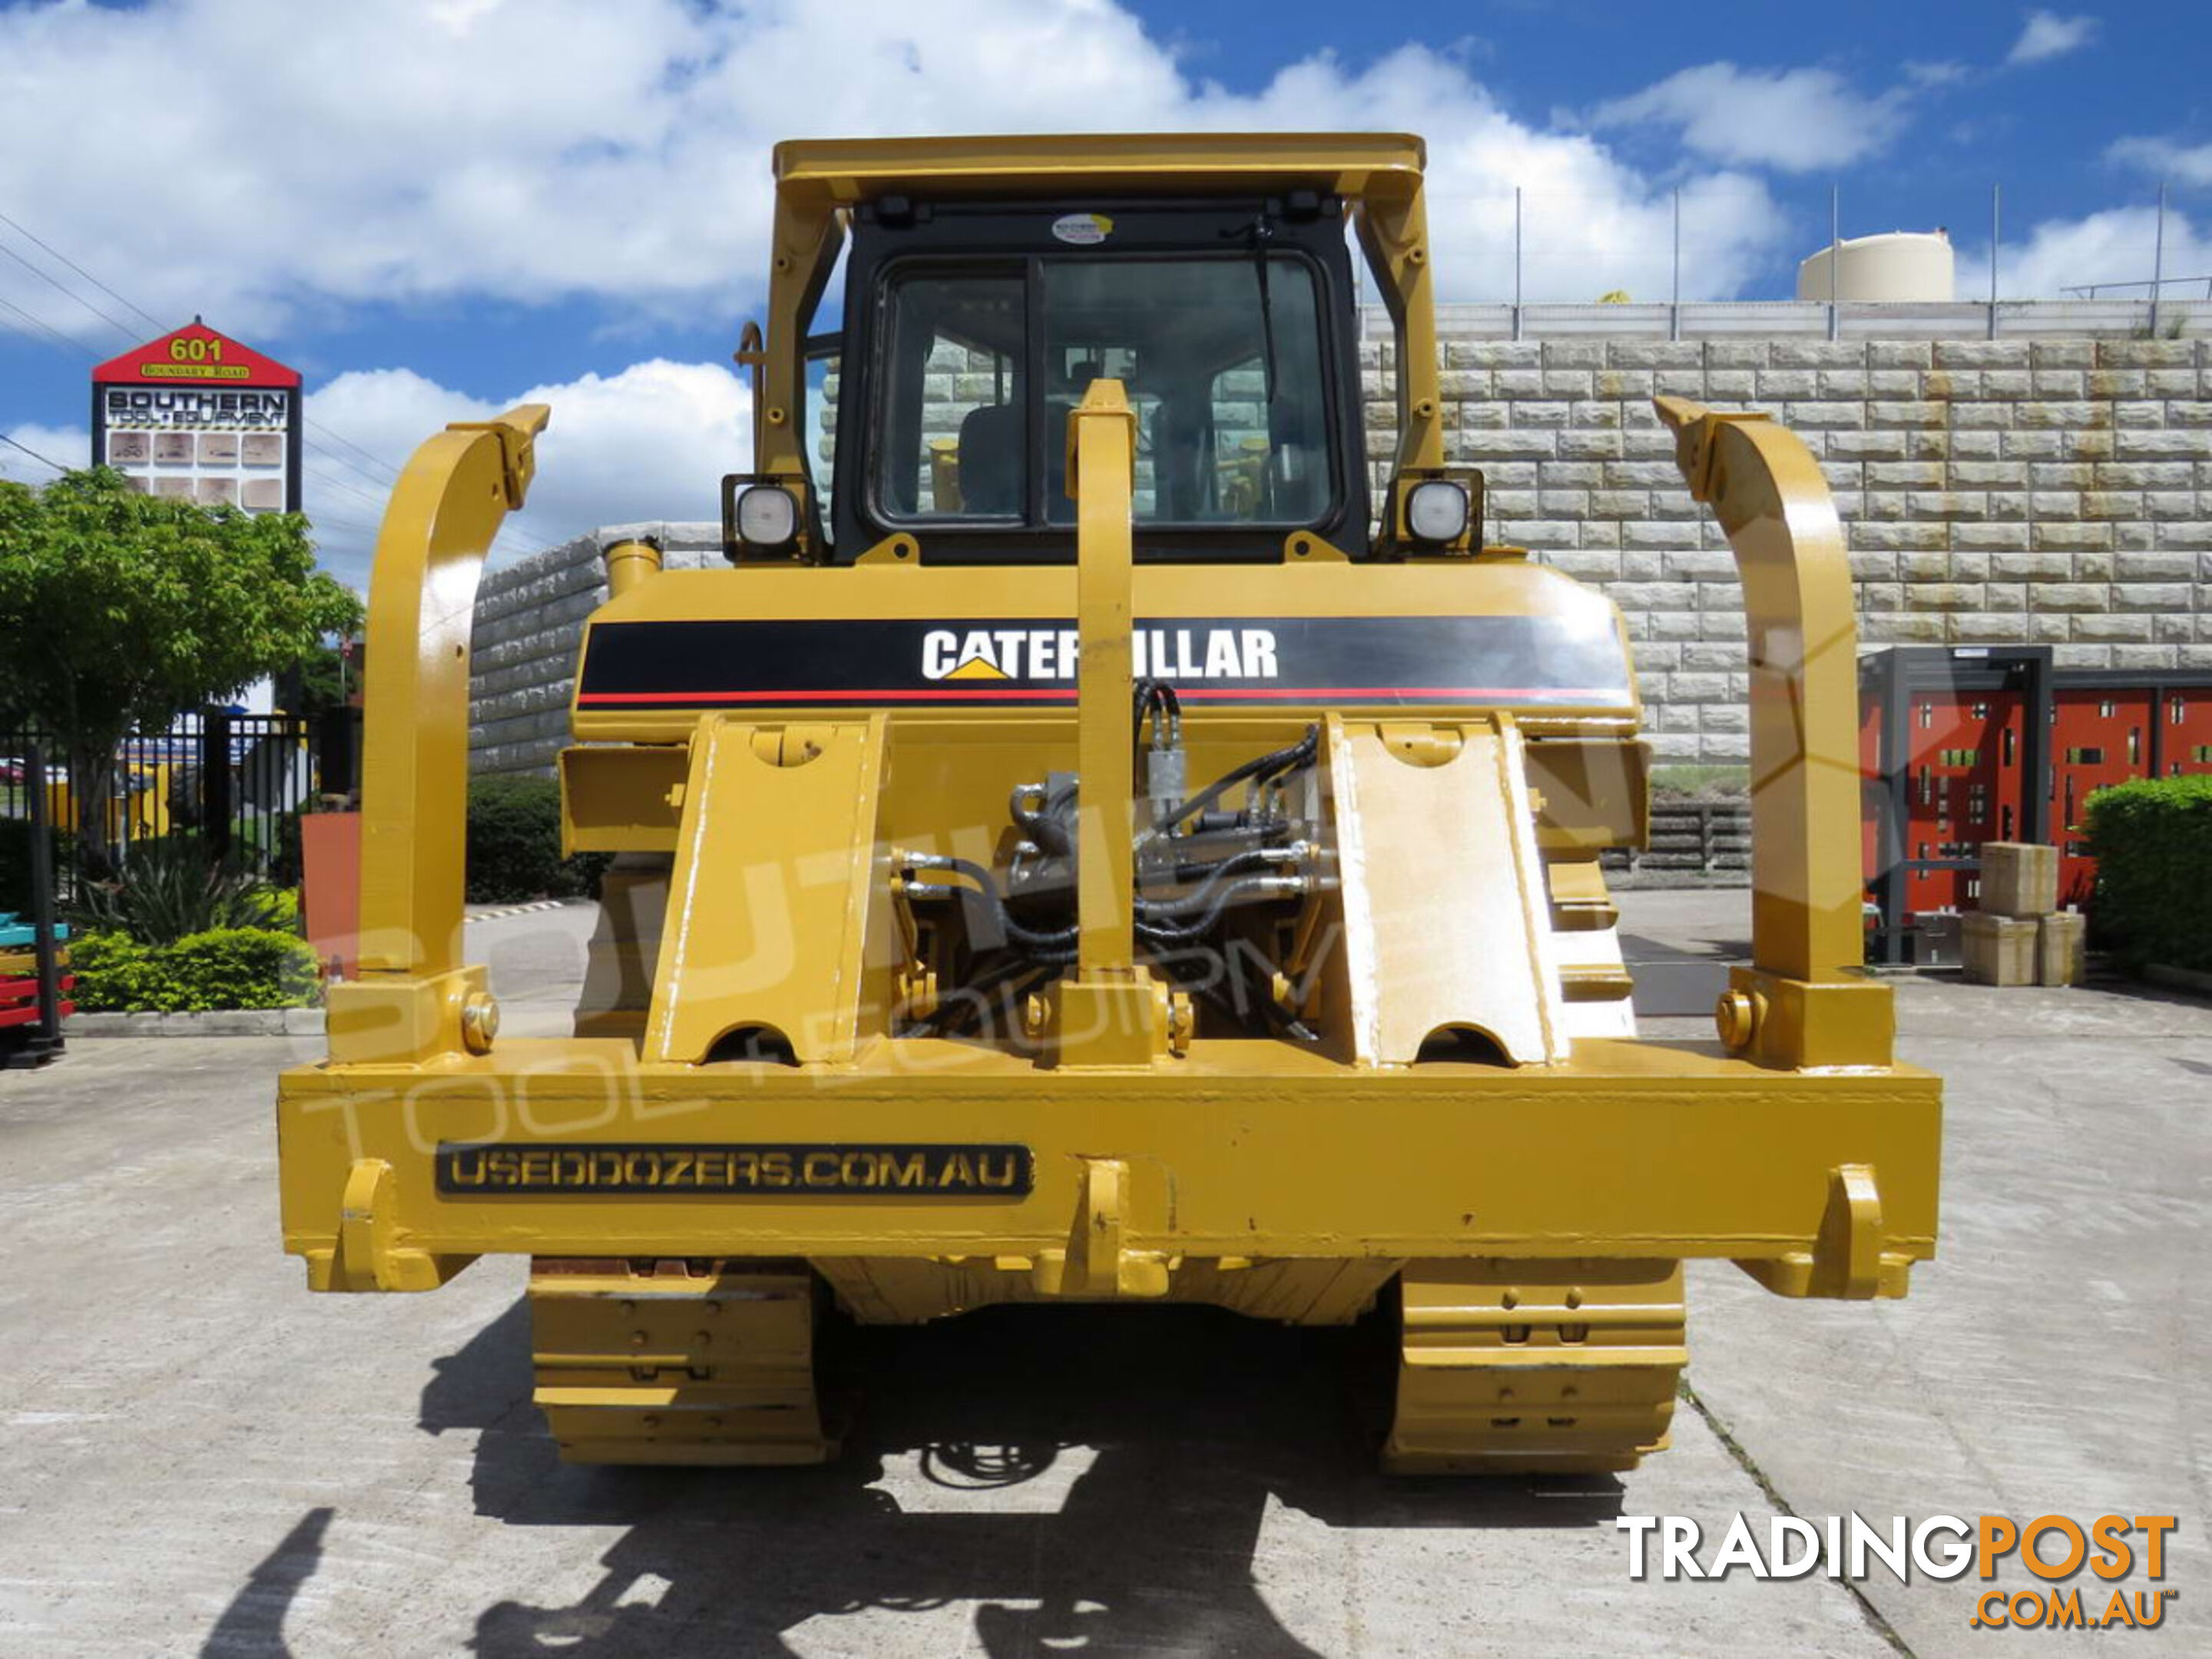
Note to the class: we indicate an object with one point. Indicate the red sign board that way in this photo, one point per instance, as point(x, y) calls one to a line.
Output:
point(199, 417)
point(197, 353)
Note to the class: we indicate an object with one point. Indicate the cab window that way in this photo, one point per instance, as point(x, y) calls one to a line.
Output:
point(1221, 357)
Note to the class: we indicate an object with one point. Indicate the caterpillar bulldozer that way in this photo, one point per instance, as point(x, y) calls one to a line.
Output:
point(1111, 834)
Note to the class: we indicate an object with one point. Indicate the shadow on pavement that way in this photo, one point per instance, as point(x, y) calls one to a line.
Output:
point(1193, 1421)
point(253, 1623)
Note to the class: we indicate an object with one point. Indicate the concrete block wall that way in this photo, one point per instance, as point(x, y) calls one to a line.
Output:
point(1994, 492)
point(2043, 490)
point(529, 623)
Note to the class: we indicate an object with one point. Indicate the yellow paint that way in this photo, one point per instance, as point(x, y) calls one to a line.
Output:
point(1809, 1004)
point(445, 510)
point(758, 942)
point(1112, 1012)
point(759, 959)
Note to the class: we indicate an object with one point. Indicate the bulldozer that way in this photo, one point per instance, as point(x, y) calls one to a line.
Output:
point(1112, 833)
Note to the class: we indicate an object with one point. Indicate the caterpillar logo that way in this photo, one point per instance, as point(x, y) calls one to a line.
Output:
point(1050, 654)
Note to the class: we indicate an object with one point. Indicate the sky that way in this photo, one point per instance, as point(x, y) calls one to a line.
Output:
point(436, 209)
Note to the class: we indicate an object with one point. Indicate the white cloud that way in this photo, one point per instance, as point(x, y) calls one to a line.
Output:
point(651, 442)
point(1590, 224)
point(64, 445)
point(442, 153)
point(2185, 165)
point(2046, 35)
point(2118, 246)
point(1796, 119)
point(618, 149)
point(1944, 73)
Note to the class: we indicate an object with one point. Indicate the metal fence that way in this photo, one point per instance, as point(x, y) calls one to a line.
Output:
point(235, 782)
point(1532, 249)
point(2104, 319)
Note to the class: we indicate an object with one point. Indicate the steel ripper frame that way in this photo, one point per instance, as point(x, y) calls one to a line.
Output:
point(1555, 1196)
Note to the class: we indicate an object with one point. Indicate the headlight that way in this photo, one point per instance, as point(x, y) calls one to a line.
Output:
point(767, 516)
point(1436, 511)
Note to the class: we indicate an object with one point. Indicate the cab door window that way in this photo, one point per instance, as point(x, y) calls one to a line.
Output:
point(952, 442)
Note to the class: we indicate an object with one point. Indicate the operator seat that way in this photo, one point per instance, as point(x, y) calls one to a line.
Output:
point(991, 459)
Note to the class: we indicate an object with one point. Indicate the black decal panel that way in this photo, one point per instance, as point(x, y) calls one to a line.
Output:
point(1485, 662)
point(631, 1170)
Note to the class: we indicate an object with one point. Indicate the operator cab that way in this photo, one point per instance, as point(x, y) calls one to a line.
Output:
point(973, 329)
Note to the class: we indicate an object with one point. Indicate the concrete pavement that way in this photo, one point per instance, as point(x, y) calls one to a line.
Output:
point(198, 1456)
point(537, 963)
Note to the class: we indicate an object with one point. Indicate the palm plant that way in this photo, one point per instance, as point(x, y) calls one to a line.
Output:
point(171, 888)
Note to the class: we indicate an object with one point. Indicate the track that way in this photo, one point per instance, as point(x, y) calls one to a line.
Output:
point(1535, 1367)
point(678, 1362)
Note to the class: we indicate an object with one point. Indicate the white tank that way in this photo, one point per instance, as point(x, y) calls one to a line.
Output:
point(1901, 266)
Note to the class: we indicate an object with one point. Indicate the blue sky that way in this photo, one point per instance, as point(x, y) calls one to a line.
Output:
point(434, 207)
point(2042, 126)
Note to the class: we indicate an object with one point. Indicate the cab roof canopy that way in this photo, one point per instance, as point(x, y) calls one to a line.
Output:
point(838, 171)
point(1378, 173)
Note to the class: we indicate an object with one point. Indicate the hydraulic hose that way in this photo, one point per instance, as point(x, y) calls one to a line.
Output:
point(1244, 887)
point(1029, 938)
point(1261, 768)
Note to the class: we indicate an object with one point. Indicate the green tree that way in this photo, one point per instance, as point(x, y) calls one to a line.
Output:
point(320, 681)
point(120, 610)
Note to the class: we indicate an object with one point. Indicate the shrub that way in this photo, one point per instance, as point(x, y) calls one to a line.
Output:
point(171, 888)
point(221, 967)
point(115, 974)
point(1695, 783)
point(515, 844)
point(2153, 842)
point(285, 915)
point(244, 967)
